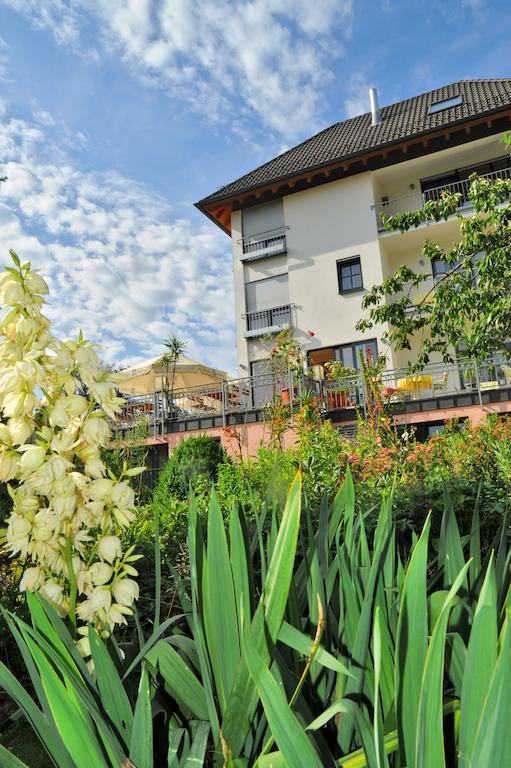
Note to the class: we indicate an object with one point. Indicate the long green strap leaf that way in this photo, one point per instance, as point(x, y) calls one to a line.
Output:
point(411, 646)
point(199, 745)
point(8, 760)
point(141, 746)
point(179, 678)
point(243, 697)
point(219, 607)
point(429, 752)
point(492, 742)
point(479, 665)
point(113, 695)
point(290, 736)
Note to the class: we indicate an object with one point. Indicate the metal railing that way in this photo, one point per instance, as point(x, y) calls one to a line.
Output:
point(239, 396)
point(263, 244)
point(269, 319)
point(416, 293)
point(411, 203)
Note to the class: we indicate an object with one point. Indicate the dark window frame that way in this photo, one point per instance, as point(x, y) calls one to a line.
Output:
point(342, 263)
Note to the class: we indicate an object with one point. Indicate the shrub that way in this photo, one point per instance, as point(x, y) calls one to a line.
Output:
point(193, 460)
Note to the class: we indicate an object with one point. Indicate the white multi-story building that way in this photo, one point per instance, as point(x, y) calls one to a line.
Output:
point(308, 242)
point(306, 231)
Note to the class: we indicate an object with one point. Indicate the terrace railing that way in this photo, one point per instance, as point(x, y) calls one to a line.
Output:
point(270, 320)
point(252, 394)
point(410, 203)
point(264, 244)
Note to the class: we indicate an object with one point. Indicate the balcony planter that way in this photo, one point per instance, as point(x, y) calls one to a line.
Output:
point(286, 395)
point(338, 400)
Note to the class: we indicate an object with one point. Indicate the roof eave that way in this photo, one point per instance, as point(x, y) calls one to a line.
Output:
point(206, 202)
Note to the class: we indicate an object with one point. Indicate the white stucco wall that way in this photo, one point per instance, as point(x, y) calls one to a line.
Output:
point(336, 221)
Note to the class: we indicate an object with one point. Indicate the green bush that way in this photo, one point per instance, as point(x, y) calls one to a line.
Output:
point(193, 460)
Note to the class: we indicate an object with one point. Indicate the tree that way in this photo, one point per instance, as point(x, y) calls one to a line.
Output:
point(469, 306)
point(176, 349)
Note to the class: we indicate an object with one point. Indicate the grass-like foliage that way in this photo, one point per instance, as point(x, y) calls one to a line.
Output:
point(300, 645)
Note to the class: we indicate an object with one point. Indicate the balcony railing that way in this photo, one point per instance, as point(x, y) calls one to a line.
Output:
point(416, 294)
point(270, 320)
point(399, 389)
point(264, 244)
point(411, 203)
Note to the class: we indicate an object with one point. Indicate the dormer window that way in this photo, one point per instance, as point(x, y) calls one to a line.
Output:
point(438, 106)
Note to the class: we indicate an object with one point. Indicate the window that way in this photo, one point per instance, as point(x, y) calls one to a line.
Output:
point(263, 218)
point(349, 275)
point(349, 354)
point(262, 384)
point(438, 106)
point(267, 293)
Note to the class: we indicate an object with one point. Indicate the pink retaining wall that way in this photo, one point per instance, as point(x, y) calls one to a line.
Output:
point(244, 439)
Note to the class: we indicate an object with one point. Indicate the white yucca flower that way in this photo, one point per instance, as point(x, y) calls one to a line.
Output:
point(66, 514)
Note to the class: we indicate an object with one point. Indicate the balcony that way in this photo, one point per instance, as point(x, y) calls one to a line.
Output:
point(264, 244)
point(265, 321)
point(411, 203)
point(416, 294)
point(439, 387)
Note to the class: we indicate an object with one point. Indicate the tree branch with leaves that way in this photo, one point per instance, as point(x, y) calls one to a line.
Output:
point(469, 306)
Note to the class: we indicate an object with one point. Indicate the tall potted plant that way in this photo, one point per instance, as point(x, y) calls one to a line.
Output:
point(286, 358)
point(340, 374)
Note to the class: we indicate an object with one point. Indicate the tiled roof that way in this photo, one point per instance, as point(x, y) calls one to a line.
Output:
point(400, 121)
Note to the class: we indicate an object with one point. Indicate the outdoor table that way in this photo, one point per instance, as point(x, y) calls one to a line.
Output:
point(415, 383)
point(489, 385)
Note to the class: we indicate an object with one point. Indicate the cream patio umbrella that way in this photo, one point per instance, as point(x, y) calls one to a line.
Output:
point(149, 376)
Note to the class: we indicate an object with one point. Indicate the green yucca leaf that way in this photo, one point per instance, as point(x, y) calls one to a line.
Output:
point(429, 746)
point(480, 665)
point(285, 726)
point(491, 744)
point(238, 551)
point(141, 744)
point(347, 707)
point(179, 679)
point(455, 660)
point(411, 646)
point(72, 720)
point(175, 739)
point(243, 696)
point(199, 744)
point(151, 641)
point(219, 605)
point(475, 543)
point(113, 695)
point(196, 551)
point(295, 639)
point(379, 747)
point(43, 726)
point(450, 548)
point(348, 491)
point(359, 651)
point(8, 760)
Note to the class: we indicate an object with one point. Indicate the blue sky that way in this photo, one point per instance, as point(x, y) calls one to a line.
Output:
point(117, 115)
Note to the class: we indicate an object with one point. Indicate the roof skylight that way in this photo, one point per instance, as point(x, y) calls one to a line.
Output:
point(438, 106)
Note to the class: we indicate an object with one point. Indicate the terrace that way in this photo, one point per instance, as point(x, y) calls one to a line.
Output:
point(417, 200)
point(439, 386)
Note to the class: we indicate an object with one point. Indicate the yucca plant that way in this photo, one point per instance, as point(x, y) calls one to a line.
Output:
point(315, 641)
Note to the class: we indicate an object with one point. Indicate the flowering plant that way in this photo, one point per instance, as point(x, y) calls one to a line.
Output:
point(68, 510)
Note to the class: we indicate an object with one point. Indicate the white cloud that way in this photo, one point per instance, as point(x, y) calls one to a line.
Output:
point(357, 101)
point(230, 59)
point(120, 264)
